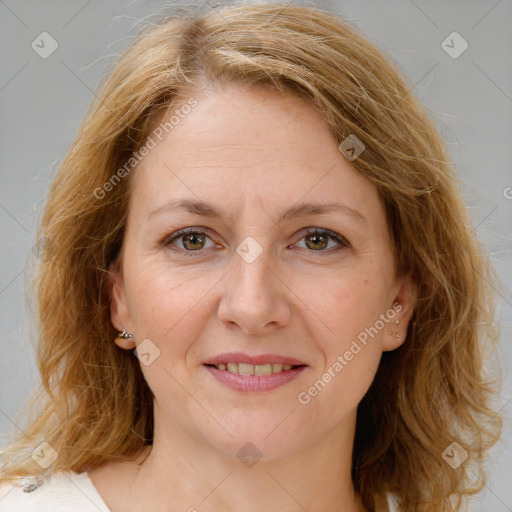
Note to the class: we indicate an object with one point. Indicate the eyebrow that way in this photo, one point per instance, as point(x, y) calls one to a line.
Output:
point(204, 209)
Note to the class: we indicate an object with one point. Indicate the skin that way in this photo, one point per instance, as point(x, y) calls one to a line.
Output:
point(253, 153)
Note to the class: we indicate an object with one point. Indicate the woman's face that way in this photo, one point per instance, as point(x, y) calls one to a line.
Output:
point(255, 283)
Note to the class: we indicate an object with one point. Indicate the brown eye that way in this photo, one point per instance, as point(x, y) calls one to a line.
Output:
point(193, 241)
point(188, 241)
point(318, 239)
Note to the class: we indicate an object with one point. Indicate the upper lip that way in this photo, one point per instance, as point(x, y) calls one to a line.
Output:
point(240, 357)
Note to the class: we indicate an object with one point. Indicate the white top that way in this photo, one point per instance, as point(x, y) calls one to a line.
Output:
point(64, 492)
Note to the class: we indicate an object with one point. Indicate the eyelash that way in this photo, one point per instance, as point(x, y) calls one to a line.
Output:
point(315, 231)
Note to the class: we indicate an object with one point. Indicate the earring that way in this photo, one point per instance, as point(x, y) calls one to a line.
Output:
point(125, 335)
point(122, 337)
point(396, 333)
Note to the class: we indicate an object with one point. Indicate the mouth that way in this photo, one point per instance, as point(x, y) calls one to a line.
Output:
point(244, 372)
point(254, 369)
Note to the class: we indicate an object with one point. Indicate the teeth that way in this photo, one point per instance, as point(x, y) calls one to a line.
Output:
point(245, 369)
point(253, 369)
point(262, 369)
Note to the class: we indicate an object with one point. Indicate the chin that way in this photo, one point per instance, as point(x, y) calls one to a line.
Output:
point(255, 437)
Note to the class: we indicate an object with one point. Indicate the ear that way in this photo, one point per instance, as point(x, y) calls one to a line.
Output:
point(403, 305)
point(119, 310)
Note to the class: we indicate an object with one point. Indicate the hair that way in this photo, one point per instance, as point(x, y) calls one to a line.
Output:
point(93, 404)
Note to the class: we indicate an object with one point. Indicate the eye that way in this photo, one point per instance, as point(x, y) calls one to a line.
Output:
point(318, 239)
point(190, 239)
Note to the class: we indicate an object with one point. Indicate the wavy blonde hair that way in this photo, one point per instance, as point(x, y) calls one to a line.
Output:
point(93, 404)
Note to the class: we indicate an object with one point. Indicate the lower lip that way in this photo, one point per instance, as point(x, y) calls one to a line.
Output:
point(255, 382)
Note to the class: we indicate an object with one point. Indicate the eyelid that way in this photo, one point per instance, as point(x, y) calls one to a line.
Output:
point(181, 232)
point(325, 232)
point(311, 230)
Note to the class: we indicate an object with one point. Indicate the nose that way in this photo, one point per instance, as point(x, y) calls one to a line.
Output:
point(255, 298)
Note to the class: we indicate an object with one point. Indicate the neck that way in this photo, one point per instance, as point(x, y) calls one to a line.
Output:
point(180, 473)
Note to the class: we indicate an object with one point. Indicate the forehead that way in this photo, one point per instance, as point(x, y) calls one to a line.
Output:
point(250, 143)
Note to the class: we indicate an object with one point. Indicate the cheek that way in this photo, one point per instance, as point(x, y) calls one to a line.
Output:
point(356, 309)
point(351, 302)
point(351, 348)
point(163, 304)
point(166, 309)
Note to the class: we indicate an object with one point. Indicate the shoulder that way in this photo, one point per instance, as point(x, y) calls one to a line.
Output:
point(393, 502)
point(60, 492)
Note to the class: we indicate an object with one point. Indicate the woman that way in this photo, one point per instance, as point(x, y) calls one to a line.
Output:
point(261, 290)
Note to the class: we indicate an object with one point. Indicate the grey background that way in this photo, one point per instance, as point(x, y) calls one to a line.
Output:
point(42, 103)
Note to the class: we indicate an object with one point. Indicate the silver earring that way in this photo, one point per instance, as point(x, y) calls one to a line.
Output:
point(396, 333)
point(124, 335)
